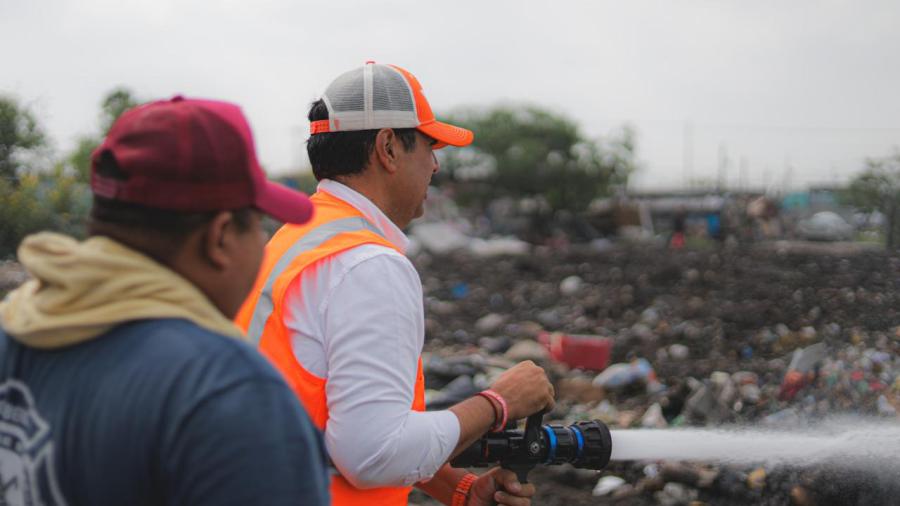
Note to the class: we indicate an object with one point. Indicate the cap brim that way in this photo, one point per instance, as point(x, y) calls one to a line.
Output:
point(447, 134)
point(284, 204)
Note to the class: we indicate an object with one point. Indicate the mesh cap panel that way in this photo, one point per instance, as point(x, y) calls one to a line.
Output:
point(389, 91)
point(383, 96)
point(346, 93)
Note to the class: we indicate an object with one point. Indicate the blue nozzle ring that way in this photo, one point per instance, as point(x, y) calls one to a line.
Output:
point(579, 437)
point(551, 439)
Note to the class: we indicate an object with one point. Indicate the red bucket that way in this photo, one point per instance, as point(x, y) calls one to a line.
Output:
point(580, 351)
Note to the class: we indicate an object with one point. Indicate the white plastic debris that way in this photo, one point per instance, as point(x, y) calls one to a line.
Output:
point(653, 418)
point(679, 351)
point(498, 246)
point(607, 485)
point(439, 237)
point(570, 285)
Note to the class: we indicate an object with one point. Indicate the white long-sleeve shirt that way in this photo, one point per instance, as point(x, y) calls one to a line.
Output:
point(357, 320)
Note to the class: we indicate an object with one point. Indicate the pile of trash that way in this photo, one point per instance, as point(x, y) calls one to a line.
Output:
point(647, 338)
point(12, 274)
point(642, 337)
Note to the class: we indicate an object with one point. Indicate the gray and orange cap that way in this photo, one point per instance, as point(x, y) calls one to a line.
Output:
point(377, 96)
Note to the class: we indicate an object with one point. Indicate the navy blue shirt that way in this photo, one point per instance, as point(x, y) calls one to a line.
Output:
point(154, 412)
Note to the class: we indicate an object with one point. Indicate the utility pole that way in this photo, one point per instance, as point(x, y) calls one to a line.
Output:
point(723, 167)
point(687, 154)
point(788, 174)
point(742, 174)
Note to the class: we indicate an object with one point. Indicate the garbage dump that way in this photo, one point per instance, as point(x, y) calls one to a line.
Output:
point(790, 353)
point(766, 375)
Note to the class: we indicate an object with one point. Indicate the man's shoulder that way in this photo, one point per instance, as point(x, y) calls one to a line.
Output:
point(369, 263)
point(176, 332)
point(366, 265)
point(366, 252)
point(177, 343)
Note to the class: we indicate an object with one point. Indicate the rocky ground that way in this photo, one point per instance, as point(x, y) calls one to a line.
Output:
point(719, 328)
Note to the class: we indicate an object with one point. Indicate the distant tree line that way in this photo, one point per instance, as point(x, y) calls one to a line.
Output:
point(533, 152)
point(877, 188)
point(38, 191)
point(519, 152)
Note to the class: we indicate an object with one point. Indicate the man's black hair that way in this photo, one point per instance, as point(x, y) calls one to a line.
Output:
point(334, 154)
point(167, 228)
point(175, 224)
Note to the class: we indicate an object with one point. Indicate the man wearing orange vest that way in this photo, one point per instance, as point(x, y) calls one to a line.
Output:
point(338, 307)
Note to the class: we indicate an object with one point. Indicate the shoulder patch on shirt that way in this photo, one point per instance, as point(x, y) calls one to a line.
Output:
point(27, 473)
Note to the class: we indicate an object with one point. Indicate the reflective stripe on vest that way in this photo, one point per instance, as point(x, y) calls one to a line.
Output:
point(336, 227)
point(315, 237)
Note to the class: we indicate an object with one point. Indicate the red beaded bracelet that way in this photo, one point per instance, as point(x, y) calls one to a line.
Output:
point(499, 421)
point(496, 409)
point(461, 494)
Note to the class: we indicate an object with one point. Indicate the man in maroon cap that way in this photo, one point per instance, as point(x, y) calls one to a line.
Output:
point(122, 378)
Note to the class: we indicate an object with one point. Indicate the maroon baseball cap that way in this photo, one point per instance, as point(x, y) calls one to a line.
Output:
point(191, 155)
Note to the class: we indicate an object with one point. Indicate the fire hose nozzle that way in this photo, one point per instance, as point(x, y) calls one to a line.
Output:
point(585, 445)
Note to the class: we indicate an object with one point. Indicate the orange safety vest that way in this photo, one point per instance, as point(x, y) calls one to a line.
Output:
point(336, 226)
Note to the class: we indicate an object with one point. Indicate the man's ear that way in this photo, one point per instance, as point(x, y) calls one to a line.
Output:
point(218, 240)
point(387, 148)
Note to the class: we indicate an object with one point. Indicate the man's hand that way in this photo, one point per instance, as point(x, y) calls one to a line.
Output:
point(526, 390)
point(500, 486)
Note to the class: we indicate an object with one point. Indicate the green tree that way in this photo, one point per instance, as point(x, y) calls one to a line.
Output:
point(39, 201)
point(117, 101)
point(529, 151)
point(877, 187)
point(79, 159)
point(114, 103)
point(35, 194)
point(20, 135)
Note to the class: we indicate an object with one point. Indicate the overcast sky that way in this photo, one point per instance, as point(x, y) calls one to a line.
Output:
point(809, 85)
